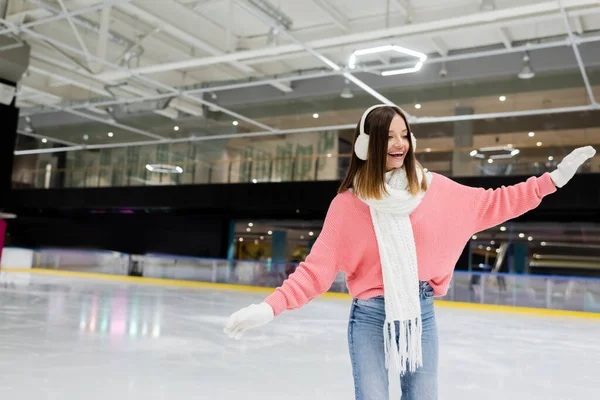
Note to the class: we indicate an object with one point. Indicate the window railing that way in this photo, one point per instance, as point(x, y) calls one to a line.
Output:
point(259, 169)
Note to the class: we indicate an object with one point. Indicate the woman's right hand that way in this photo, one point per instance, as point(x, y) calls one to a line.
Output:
point(250, 317)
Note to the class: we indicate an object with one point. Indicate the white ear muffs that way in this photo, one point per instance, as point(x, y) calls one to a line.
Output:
point(361, 146)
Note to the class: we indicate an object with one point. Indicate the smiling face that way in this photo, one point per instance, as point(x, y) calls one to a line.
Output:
point(398, 143)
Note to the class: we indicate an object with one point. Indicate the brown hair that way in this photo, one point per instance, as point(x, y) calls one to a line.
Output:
point(367, 178)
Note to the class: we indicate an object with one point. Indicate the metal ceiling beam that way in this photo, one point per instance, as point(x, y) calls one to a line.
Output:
point(323, 74)
point(340, 20)
point(63, 15)
point(505, 36)
point(159, 85)
point(189, 39)
point(257, 12)
point(440, 46)
point(102, 47)
point(584, 75)
point(48, 138)
point(84, 23)
point(417, 120)
point(493, 19)
point(76, 32)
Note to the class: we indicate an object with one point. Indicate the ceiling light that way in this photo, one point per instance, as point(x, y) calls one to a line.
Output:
point(86, 137)
point(175, 128)
point(428, 150)
point(530, 238)
point(110, 134)
point(531, 134)
point(381, 49)
point(270, 232)
point(550, 158)
point(490, 160)
point(248, 229)
point(164, 168)
point(497, 250)
point(302, 237)
point(474, 237)
point(315, 115)
point(418, 106)
point(254, 180)
point(515, 152)
point(44, 140)
point(255, 241)
point(539, 144)
point(527, 72)
point(488, 248)
point(311, 233)
point(543, 243)
point(235, 123)
point(241, 239)
point(347, 93)
point(492, 242)
point(262, 238)
point(503, 228)
point(502, 98)
point(521, 235)
point(473, 153)
point(250, 224)
point(481, 246)
point(329, 155)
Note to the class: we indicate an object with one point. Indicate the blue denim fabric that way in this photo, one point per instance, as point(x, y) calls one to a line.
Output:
point(365, 340)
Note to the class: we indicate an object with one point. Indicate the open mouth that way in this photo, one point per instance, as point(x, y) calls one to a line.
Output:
point(398, 154)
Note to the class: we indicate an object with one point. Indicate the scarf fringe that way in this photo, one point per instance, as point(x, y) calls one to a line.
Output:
point(403, 351)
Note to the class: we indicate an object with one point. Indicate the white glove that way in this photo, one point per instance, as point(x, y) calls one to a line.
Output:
point(569, 165)
point(247, 318)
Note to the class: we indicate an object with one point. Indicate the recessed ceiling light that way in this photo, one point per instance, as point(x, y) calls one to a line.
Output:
point(521, 235)
point(473, 153)
point(474, 237)
point(270, 232)
point(44, 140)
point(550, 158)
point(490, 161)
point(302, 237)
point(315, 115)
point(241, 239)
point(418, 106)
point(488, 248)
point(248, 229)
point(110, 134)
point(311, 233)
point(530, 238)
point(235, 123)
point(503, 228)
point(175, 128)
point(502, 98)
point(428, 150)
point(531, 134)
point(543, 243)
point(262, 238)
point(250, 224)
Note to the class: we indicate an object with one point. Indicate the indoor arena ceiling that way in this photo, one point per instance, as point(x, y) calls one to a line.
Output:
point(142, 67)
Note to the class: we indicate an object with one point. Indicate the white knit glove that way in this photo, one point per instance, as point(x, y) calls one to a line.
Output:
point(247, 318)
point(569, 165)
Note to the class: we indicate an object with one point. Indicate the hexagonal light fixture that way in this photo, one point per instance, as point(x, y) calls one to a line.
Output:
point(381, 49)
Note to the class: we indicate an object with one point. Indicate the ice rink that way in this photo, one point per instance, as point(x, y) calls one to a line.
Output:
point(73, 338)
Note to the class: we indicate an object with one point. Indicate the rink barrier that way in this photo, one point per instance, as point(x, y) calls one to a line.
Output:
point(255, 289)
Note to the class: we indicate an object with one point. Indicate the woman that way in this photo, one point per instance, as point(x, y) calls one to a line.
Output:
point(397, 232)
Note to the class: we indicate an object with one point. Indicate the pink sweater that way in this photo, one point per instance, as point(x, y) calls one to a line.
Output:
point(443, 223)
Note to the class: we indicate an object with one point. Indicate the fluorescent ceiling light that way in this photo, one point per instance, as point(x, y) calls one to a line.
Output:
point(164, 168)
point(381, 49)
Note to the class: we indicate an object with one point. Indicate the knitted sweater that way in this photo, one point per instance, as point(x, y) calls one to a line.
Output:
point(443, 223)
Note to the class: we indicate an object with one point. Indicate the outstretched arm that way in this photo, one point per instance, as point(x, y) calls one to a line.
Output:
point(492, 207)
point(312, 278)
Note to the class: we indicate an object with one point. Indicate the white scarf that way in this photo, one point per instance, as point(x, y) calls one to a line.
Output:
point(398, 256)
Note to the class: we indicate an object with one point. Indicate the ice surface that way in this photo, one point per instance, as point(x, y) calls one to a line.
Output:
point(72, 338)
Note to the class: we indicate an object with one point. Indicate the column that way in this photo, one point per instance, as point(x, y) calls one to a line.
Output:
point(278, 250)
point(9, 116)
point(2, 236)
point(462, 162)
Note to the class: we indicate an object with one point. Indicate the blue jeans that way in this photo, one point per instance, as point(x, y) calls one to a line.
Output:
point(365, 340)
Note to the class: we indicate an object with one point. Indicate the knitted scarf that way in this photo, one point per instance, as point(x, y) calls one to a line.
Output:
point(398, 256)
